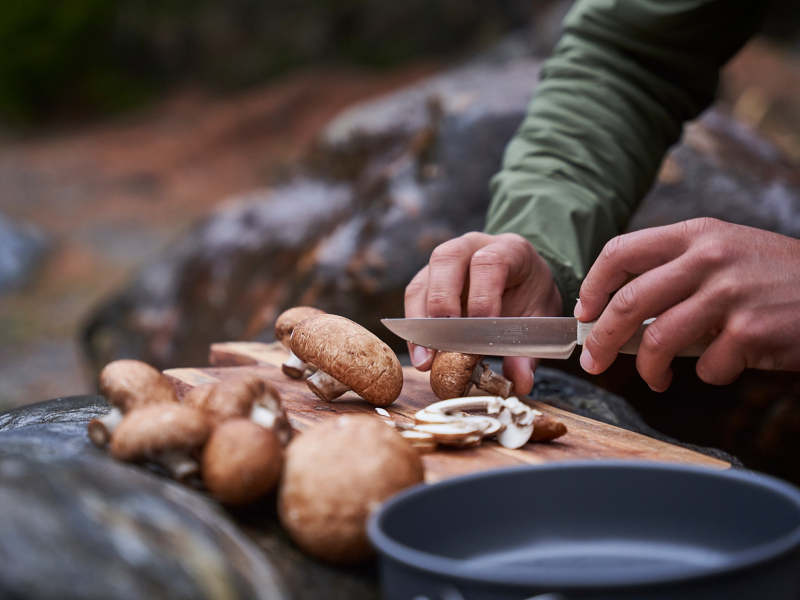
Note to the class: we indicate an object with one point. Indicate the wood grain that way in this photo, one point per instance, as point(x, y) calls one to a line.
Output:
point(587, 439)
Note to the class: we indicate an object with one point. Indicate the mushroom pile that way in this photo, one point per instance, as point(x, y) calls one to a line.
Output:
point(511, 422)
point(453, 375)
point(230, 434)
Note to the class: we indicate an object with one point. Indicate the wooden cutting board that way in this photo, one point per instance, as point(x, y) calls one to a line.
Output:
point(587, 439)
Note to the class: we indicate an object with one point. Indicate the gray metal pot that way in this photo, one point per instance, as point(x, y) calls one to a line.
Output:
point(599, 531)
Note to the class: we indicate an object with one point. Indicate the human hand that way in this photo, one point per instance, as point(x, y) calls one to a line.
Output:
point(701, 276)
point(482, 275)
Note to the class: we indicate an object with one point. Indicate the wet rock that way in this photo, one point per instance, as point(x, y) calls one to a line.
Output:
point(22, 248)
point(77, 524)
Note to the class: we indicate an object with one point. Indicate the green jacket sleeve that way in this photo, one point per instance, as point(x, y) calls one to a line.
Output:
point(622, 80)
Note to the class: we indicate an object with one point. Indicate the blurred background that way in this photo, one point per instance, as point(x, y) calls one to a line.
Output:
point(131, 133)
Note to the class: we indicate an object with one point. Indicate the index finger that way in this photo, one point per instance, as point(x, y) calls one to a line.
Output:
point(625, 255)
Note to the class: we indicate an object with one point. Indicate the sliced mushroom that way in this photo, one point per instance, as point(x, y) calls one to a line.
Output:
point(241, 462)
point(170, 436)
point(422, 442)
point(513, 425)
point(453, 374)
point(454, 433)
point(127, 385)
point(284, 326)
point(335, 475)
point(249, 397)
point(348, 357)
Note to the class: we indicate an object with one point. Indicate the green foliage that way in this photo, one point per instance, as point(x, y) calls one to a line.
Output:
point(49, 48)
point(89, 55)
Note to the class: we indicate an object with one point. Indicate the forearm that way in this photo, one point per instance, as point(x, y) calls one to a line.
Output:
point(612, 99)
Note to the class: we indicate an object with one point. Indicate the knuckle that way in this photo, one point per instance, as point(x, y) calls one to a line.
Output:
point(625, 301)
point(488, 257)
point(742, 331)
point(481, 305)
point(701, 225)
point(614, 248)
point(438, 303)
point(654, 341)
point(712, 252)
point(416, 287)
point(448, 252)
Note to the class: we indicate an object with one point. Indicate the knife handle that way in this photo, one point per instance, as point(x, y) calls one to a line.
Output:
point(632, 345)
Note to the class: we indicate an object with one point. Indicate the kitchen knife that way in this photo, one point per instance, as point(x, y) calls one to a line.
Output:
point(534, 337)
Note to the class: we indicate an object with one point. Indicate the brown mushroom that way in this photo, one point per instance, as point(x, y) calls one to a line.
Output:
point(246, 397)
point(126, 385)
point(169, 436)
point(241, 462)
point(335, 475)
point(453, 374)
point(348, 357)
point(284, 326)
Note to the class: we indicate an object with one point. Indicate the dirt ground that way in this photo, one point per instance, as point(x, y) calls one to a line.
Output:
point(113, 195)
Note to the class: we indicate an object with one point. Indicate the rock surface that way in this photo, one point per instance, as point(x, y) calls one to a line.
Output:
point(77, 524)
point(22, 248)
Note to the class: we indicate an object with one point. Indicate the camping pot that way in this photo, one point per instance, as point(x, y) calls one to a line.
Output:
point(592, 530)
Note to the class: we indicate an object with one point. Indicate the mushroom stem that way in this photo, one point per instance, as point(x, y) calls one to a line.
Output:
point(295, 368)
point(326, 387)
point(262, 416)
point(178, 465)
point(487, 380)
point(100, 430)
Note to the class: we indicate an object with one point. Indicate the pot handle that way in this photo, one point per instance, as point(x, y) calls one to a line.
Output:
point(548, 597)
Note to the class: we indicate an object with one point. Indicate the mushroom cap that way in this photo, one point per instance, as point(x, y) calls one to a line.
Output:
point(334, 476)
point(129, 384)
point(289, 319)
point(147, 433)
point(350, 354)
point(451, 373)
point(241, 462)
point(233, 398)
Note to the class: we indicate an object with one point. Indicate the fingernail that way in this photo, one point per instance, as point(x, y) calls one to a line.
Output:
point(578, 309)
point(587, 362)
point(419, 355)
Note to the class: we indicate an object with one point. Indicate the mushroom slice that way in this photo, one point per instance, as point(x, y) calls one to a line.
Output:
point(451, 433)
point(347, 356)
point(513, 435)
point(169, 436)
point(284, 326)
point(420, 440)
point(546, 429)
point(489, 425)
point(126, 385)
point(453, 374)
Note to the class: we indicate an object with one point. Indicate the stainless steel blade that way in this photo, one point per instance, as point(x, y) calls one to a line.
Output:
point(540, 337)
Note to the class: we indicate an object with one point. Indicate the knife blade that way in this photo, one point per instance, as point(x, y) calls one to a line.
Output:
point(533, 337)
